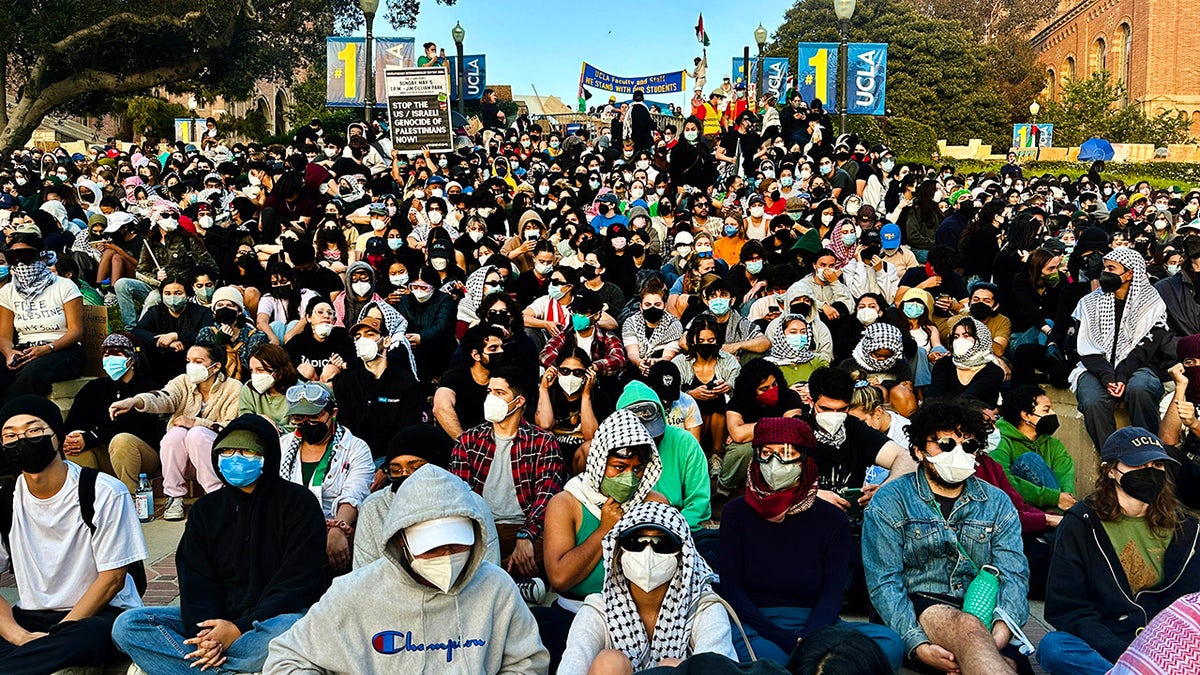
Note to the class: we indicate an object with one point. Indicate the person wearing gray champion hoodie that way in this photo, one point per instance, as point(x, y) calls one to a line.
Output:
point(384, 618)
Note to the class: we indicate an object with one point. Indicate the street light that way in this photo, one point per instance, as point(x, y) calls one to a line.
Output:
point(458, 34)
point(1034, 109)
point(368, 8)
point(760, 36)
point(844, 9)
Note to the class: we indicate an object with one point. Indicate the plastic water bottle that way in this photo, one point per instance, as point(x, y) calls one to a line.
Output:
point(143, 500)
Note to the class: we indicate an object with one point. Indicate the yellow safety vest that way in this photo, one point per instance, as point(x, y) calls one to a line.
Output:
point(712, 120)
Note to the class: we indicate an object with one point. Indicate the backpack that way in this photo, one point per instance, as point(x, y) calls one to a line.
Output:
point(87, 506)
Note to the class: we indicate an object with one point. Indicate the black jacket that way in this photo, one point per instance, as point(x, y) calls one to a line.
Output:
point(375, 409)
point(247, 557)
point(1088, 595)
point(89, 412)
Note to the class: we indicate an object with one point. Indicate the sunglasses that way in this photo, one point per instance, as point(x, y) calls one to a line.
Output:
point(638, 542)
point(26, 256)
point(947, 444)
point(580, 372)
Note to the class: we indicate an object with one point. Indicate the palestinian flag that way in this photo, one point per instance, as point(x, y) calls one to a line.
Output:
point(701, 36)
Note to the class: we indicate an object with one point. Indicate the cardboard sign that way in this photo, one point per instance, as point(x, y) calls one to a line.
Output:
point(418, 103)
point(98, 323)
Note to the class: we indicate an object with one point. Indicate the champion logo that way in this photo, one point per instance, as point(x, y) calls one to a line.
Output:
point(391, 642)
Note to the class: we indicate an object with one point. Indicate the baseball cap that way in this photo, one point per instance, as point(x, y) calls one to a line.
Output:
point(663, 378)
point(430, 534)
point(650, 415)
point(7, 201)
point(117, 220)
point(889, 236)
point(377, 209)
point(373, 322)
point(1134, 446)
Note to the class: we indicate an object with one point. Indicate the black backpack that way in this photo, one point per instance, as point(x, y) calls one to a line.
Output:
point(87, 506)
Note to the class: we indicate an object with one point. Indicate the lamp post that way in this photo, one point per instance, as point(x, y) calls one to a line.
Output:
point(458, 34)
point(368, 8)
point(760, 36)
point(844, 9)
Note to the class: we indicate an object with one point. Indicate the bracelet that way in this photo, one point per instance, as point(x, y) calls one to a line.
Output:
point(342, 525)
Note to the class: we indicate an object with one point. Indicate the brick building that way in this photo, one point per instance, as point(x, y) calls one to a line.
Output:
point(1150, 46)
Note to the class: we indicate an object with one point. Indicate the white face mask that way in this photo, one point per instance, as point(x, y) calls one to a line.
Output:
point(636, 193)
point(648, 570)
point(439, 264)
point(955, 466)
point(436, 217)
point(643, 165)
point(262, 382)
point(398, 280)
point(570, 383)
point(475, 235)
point(378, 224)
point(422, 296)
point(361, 288)
point(756, 211)
point(322, 330)
point(330, 152)
point(691, 135)
point(826, 220)
point(253, 180)
point(830, 421)
point(366, 349)
point(779, 475)
point(495, 409)
point(196, 373)
point(867, 316)
point(168, 224)
point(961, 346)
point(442, 571)
point(206, 222)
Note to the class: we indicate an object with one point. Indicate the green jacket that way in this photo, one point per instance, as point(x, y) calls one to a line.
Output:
point(684, 480)
point(1013, 444)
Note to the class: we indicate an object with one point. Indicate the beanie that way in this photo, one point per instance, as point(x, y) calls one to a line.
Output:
point(229, 293)
point(789, 430)
point(38, 406)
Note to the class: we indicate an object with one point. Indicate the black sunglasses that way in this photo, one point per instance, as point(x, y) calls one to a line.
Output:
point(947, 444)
point(572, 371)
point(22, 255)
point(638, 542)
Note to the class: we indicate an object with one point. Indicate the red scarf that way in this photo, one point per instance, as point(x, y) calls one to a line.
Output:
point(771, 504)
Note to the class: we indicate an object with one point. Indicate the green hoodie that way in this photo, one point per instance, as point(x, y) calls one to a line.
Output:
point(1013, 444)
point(684, 480)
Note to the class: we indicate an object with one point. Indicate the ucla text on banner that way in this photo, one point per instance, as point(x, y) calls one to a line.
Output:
point(418, 106)
point(475, 75)
point(817, 72)
point(665, 83)
point(867, 77)
point(776, 74)
point(345, 63)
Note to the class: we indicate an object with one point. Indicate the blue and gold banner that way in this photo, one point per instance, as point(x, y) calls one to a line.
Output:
point(775, 76)
point(652, 85)
point(817, 72)
point(867, 77)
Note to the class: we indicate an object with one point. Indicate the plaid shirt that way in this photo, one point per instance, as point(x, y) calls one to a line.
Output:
point(537, 467)
point(608, 354)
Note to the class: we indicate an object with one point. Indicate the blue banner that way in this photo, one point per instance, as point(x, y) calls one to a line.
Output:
point(475, 76)
point(346, 65)
point(651, 85)
point(776, 74)
point(816, 72)
point(867, 75)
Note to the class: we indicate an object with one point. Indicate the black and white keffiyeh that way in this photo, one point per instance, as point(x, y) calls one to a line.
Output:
point(32, 279)
point(291, 450)
point(879, 335)
point(692, 579)
point(667, 332)
point(980, 353)
point(1096, 313)
point(783, 353)
point(468, 306)
point(621, 429)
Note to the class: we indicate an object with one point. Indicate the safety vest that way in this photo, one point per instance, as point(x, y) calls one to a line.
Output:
point(712, 120)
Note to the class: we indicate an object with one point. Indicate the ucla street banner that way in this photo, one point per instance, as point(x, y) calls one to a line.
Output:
point(775, 81)
point(867, 75)
point(652, 85)
point(475, 76)
point(816, 72)
point(345, 63)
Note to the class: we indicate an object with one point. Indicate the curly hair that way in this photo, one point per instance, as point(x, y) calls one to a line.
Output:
point(944, 414)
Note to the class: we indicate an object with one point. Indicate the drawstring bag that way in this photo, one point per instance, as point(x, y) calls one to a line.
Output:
point(980, 598)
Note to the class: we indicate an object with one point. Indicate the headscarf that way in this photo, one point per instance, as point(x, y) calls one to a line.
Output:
point(621, 429)
point(1096, 313)
point(350, 310)
point(844, 254)
point(1189, 348)
point(879, 335)
point(781, 352)
point(693, 578)
point(469, 305)
point(980, 354)
point(768, 503)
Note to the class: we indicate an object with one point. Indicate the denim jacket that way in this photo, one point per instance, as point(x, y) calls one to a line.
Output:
point(908, 548)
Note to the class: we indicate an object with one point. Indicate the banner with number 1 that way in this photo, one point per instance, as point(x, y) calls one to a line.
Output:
point(816, 76)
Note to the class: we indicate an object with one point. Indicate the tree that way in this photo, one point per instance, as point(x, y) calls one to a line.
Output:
point(937, 72)
point(1090, 108)
point(991, 20)
point(78, 56)
point(152, 116)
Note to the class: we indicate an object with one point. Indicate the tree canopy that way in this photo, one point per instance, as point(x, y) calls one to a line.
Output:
point(79, 55)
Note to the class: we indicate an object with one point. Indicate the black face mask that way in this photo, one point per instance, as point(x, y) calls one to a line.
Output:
point(493, 360)
point(502, 319)
point(1145, 484)
point(246, 261)
point(31, 455)
point(226, 315)
point(397, 482)
point(707, 351)
point(281, 291)
point(591, 271)
point(1047, 425)
point(801, 308)
point(1093, 265)
point(313, 432)
point(1110, 282)
point(637, 250)
point(652, 314)
point(980, 311)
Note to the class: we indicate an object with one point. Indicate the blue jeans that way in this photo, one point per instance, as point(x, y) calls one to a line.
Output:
point(1031, 467)
point(1060, 653)
point(1142, 394)
point(795, 619)
point(133, 295)
point(280, 329)
point(153, 637)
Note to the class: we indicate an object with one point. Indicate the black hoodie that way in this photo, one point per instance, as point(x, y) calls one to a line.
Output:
point(247, 557)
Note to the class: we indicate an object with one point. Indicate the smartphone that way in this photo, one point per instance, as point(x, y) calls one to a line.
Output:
point(852, 495)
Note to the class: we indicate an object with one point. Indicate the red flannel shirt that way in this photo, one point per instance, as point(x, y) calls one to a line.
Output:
point(608, 354)
point(537, 467)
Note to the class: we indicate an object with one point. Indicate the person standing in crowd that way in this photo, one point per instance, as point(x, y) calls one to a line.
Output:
point(234, 598)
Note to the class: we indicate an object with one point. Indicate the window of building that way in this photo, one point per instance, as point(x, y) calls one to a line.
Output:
point(1052, 83)
point(1068, 71)
point(1099, 56)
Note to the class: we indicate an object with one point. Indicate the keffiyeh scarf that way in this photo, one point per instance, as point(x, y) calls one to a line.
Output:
point(771, 504)
point(32, 279)
point(879, 335)
point(692, 579)
point(844, 254)
point(783, 353)
point(622, 429)
point(1096, 313)
point(668, 331)
point(469, 305)
point(980, 354)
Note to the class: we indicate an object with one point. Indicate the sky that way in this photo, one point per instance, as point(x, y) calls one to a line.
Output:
point(542, 43)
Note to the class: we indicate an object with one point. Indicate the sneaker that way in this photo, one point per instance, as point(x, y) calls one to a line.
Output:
point(533, 591)
point(174, 510)
point(134, 670)
point(714, 465)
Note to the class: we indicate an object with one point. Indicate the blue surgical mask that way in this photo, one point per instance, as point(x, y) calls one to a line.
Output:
point(730, 230)
point(555, 291)
point(116, 366)
point(240, 471)
point(4, 271)
point(754, 267)
point(395, 243)
point(581, 322)
point(797, 342)
point(913, 310)
point(719, 306)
